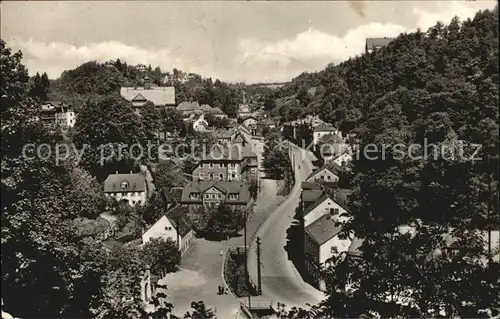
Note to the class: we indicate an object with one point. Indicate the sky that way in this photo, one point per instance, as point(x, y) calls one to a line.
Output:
point(235, 41)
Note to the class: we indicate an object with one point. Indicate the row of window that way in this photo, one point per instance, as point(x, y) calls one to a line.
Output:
point(213, 196)
point(131, 194)
point(221, 176)
point(220, 165)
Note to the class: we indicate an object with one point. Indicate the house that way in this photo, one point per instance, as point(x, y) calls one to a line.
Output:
point(174, 225)
point(323, 130)
point(250, 122)
point(343, 161)
point(130, 188)
point(325, 205)
point(213, 193)
point(323, 174)
point(189, 108)
point(310, 186)
point(57, 114)
point(200, 124)
point(376, 43)
point(244, 111)
point(160, 96)
point(205, 108)
point(226, 163)
point(322, 242)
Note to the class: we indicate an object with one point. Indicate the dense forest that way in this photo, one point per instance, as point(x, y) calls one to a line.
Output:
point(437, 87)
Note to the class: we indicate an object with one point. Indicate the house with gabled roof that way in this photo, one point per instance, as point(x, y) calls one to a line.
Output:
point(160, 96)
point(130, 188)
point(324, 174)
point(323, 240)
point(325, 205)
point(213, 193)
point(323, 130)
point(173, 225)
point(343, 161)
point(189, 108)
point(376, 43)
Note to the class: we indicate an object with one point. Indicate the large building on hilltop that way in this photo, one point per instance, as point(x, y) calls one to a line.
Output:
point(376, 43)
point(160, 96)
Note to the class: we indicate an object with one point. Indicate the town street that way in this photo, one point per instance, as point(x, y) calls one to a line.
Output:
point(201, 267)
point(281, 281)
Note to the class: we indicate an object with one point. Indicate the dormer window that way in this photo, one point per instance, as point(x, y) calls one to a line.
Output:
point(124, 185)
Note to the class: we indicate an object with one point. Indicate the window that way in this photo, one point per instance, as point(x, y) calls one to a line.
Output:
point(211, 165)
point(322, 176)
point(233, 175)
point(124, 185)
point(334, 211)
point(133, 202)
point(219, 196)
point(221, 176)
point(211, 176)
point(207, 196)
point(334, 250)
point(200, 176)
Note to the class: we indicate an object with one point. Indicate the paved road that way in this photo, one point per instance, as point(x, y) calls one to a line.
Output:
point(281, 281)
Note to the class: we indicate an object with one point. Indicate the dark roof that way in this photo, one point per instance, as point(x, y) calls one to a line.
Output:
point(55, 107)
point(135, 183)
point(310, 186)
point(323, 229)
point(188, 106)
point(160, 96)
point(311, 195)
point(325, 128)
point(172, 194)
point(232, 187)
point(179, 218)
point(372, 43)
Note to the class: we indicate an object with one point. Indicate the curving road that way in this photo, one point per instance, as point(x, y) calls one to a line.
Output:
point(281, 281)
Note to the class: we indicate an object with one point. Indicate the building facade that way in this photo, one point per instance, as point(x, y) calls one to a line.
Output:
point(57, 114)
point(130, 188)
point(213, 193)
point(324, 175)
point(324, 130)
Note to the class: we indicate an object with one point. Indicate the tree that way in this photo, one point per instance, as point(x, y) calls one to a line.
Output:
point(168, 174)
point(224, 221)
point(111, 135)
point(269, 103)
point(171, 120)
point(200, 311)
point(161, 255)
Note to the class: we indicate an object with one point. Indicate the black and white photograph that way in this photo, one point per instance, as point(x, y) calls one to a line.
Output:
point(250, 159)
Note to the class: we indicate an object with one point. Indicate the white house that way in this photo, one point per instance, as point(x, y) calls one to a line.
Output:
point(323, 174)
point(343, 160)
point(244, 111)
point(324, 206)
point(322, 242)
point(57, 114)
point(174, 225)
point(126, 187)
point(323, 130)
point(200, 125)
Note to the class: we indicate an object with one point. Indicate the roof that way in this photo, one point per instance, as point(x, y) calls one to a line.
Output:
point(244, 108)
point(323, 229)
point(172, 194)
point(217, 111)
point(231, 187)
point(342, 197)
point(334, 138)
point(310, 186)
point(134, 183)
point(55, 107)
point(188, 106)
point(179, 218)
point(160, 96)
point(325, 128)
point(355, 247)
point(224, 134)
point(332, 170)
point(311, 195)
point(372, 43)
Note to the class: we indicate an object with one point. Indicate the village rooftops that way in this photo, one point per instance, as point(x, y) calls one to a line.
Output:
point(55, 107)
point(172, 195)
point(311, 195)
point(122, 183)
point(323, 229)
point(325, 128)
point(310, 186)
point(189, 107)
point(375, 43)
point(160, 96)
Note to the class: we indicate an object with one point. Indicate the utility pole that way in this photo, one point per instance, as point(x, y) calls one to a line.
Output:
point(247, 281)
point(259, 274)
